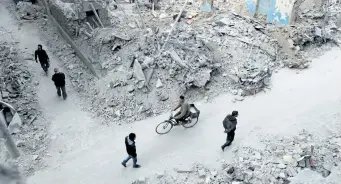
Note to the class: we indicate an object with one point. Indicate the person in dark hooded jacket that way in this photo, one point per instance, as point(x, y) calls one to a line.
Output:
point(230, 125)
point(131, 150)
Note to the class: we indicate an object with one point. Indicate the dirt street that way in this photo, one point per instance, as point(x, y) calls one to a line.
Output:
point(83, 151)
point(307, 100)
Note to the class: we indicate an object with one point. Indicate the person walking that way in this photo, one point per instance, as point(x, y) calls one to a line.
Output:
point(44, 60)
point(59, 81)
point(131, 150)
point(230, 125)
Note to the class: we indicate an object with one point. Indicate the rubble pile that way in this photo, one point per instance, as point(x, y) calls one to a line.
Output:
point(205, 55)
point(18, 89)
point(29, 11)
point(193, 57)
point(316, 28)
point(15, 80)
point(283, 160)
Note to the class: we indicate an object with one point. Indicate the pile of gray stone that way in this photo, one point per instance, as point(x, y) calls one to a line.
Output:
point(283, 160)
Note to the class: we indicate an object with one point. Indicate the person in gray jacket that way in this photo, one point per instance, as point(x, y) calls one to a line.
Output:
point(230, 125)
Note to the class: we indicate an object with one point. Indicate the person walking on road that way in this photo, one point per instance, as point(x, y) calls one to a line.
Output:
point(44, 60)
point(59, 81)
point(131, 150)
point(230, 125)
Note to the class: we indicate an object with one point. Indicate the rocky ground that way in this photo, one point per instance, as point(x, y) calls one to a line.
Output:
point(281, 160)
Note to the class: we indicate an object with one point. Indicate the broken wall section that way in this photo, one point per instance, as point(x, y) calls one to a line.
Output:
point(72, 16)
point(276, 11)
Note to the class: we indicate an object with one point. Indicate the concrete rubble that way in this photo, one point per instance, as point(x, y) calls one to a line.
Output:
point(17, 89)
point(29, 11)
point(276, 163)
point(204, 56)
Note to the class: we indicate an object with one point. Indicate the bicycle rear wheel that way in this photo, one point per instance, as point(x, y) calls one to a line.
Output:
point(164, 127)
point(191, 122)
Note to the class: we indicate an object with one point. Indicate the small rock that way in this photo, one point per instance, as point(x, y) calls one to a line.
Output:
point(163, 97)
point(257, 156)
point(288, 159)
point(251, 168)
point(130, 88)
point(159, 175)
point(5, 94)
point(328, 166)
point(291, 43)
point(36, 83)
point(325, 173)
point(234, 92)
point(208, 180)
point(172, 73)
point(224, 74)
point(20, 144)
point(223, 22)
point(141, 180)
point(201, 173)
point(239, 98)
point(282, 175)
point(318, 32)
point(159, 84)
point(291, 171)
point(230, 171)
point(118, 113)
point(184, 170)
point(206, 98)
point(214, 173)
point(281, 166)
point(236, 182)
point(113, 85)
point(35, 157)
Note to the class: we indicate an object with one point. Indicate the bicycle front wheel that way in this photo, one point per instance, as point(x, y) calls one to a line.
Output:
point(164, 127)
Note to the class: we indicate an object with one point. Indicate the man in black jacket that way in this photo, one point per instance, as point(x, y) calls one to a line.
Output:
point(131, 150)
point(59, 81)
point(230, 125)
point(43, 57)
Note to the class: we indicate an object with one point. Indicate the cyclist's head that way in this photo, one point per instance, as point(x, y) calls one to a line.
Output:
point(40, 47)
point(235, 113)
point(132, 136)
point(182, 99)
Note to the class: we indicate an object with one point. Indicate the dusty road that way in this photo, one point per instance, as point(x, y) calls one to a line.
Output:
point(84, 152)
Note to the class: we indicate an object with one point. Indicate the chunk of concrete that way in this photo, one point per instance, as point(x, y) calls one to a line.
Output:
point(202, 173)
point(159, 84)
point(281, 166)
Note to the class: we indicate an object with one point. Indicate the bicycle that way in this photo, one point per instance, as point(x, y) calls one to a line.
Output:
point(189, 122)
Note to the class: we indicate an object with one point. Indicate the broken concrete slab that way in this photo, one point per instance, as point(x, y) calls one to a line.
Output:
point(202, 173)
point(15, 125)
point(139, 73)
point(159, 84)
point(177, 59)
point(199, 79)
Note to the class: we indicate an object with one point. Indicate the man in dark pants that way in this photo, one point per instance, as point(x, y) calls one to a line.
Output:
point(131, 150)
point(230, 125)
point(43, 57)
point(59, 81)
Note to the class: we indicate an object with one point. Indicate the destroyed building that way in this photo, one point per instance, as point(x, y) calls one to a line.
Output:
point(143, 65)
point(203, 57)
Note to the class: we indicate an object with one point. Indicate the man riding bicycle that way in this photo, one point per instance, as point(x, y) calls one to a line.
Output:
point(184, 111)
point(43, 58)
